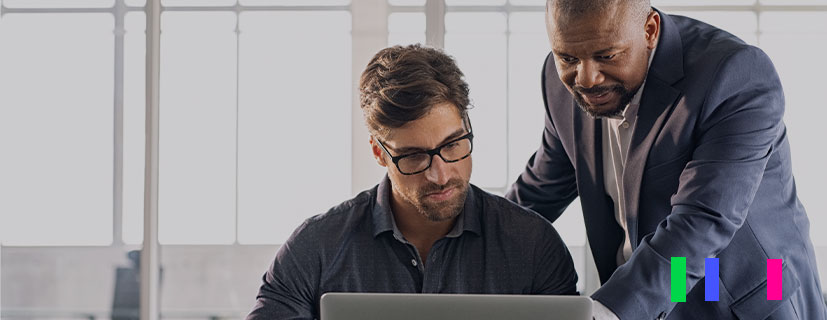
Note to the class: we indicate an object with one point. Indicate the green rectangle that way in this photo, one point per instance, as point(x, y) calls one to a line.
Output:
point(678, 279)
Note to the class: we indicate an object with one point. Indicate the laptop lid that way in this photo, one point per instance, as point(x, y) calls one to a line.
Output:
point(408, 306)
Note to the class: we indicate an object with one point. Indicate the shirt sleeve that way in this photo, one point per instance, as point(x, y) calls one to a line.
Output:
point(554, 272)
point(288, 291)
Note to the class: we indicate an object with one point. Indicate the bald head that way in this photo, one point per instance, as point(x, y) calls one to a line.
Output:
point(573, 9)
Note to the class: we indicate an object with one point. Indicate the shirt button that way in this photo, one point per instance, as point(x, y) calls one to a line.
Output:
point(413, 262)
point(625, 125)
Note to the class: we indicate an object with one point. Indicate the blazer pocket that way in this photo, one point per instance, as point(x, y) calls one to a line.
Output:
point(754, 305)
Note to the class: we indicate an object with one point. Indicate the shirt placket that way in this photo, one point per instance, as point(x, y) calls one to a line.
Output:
point(432, 280)
point(412, 260)
point(429, 276)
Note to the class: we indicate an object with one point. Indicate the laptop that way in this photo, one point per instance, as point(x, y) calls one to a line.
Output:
point(411, 306)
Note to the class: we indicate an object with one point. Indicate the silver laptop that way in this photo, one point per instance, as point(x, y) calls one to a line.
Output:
point(409, 306)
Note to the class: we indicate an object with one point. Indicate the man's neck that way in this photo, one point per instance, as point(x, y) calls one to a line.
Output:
point(418, 230)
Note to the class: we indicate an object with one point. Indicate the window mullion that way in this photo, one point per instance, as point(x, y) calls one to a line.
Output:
point(150, 255)
point(237, 101)
point(118, 174)
point(435, 23)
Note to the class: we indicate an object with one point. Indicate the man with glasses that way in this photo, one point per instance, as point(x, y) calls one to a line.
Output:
point(424, 228)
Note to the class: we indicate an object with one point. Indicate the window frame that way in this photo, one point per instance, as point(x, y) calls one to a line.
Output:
point(367, 14)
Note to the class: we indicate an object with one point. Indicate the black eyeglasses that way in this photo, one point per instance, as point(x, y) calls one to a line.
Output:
point(452, 151)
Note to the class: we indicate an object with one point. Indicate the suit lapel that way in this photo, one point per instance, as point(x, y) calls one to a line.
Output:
point(657, 102)
point(655, 109)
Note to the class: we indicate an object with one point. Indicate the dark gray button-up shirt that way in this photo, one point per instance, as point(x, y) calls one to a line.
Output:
point(495, 246)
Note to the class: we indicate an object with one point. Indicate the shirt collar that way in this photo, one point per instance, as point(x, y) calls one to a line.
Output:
point(383, 220)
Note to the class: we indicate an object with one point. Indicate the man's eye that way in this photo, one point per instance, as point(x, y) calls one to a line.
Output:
point(608, 57)
point(416, 156)
point(568, 59)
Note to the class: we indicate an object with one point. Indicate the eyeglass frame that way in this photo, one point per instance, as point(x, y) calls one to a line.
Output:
point(435, 151)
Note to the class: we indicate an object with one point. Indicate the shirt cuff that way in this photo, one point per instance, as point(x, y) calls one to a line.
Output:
point(600, 312)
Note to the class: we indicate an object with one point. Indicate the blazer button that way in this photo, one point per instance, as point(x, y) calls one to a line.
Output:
point(662, 316)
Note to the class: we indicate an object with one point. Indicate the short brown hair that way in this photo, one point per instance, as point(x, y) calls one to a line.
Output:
point(402, 83)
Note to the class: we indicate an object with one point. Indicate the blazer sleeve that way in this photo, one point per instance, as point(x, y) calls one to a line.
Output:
point(548, 184)
point(739, 122)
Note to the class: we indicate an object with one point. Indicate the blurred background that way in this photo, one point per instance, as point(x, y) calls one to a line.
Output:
point(259, 111)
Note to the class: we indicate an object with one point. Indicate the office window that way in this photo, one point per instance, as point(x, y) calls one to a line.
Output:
point(538, 3)
point(527, 50)
point(134, 129)
point(56, 129)
point(478, 41)
point(196, 201)
point(196, 3)
point(295, 2)
point(502, 55)
point(252, 137)
point(406, 28)
point(57, 3)
point(238, 135)
point(294, 120)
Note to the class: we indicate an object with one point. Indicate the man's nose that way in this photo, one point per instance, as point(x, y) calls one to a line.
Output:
point(438, 172)
point(588, 75)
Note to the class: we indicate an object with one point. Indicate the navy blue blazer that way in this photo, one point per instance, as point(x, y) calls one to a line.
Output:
point(708, 174)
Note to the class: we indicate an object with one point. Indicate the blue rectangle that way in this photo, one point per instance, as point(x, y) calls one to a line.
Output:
point(711, 279)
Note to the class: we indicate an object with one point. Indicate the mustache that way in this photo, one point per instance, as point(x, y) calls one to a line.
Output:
point(599, 90)
point(435, 188)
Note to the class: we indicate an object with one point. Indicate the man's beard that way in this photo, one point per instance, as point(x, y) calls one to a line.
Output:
point(626, 96)
point(444, 210)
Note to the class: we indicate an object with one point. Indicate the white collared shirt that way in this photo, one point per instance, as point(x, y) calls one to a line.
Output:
point(617, 135)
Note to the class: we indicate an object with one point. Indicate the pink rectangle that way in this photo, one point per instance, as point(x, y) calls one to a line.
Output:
point(774, 279)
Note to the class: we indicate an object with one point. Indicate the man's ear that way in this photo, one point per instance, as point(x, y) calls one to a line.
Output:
point(377, 151)
point(652, 29)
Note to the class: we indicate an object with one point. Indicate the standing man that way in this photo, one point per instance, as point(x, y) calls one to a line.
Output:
point(670, 131)
point(424, 228)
